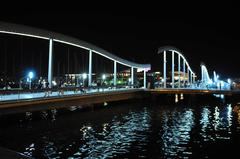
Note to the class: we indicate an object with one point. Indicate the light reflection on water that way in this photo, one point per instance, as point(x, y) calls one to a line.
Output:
point(116, 137)
point(219, 122)
point(176, 128)
point(162, 131)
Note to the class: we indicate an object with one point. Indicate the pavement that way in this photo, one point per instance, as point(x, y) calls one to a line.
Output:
point(37, 95)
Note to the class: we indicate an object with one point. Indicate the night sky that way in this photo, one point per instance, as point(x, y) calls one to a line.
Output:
point(206, 33)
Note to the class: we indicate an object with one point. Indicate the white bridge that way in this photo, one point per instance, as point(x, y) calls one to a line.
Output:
point(8, 28)
point(185, 75)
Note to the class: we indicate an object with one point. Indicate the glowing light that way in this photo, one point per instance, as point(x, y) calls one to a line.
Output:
point(183, 59)
point(103, 76)
point(216, 120)
point(84, 75)
point(222, 96)
point(54, 83)
point(30, 74)
point(210, 82)
point(129, 80)
point(222, 83)
point(214, 76)
point(181, 96)
point(229, 80)
point(205, 75)
point(176, 98)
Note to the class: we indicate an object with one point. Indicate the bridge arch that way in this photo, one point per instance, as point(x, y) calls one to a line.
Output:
point(205, 75)
point(190, 74)
point(9, 28)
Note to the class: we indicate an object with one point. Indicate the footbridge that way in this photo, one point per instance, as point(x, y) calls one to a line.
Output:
point(52, 38)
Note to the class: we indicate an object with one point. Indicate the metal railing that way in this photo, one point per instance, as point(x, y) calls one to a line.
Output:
point(23, 94)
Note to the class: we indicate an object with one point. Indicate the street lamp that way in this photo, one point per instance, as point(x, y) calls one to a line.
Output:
point(30, 76)
point(84, 77)
point(129, 81)
point(103, 78)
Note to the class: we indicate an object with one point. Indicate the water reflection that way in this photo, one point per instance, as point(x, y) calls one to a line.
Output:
point(176, 128)
point(237, 111)
point(28, 116)
point(29, 150)
point(50, 149)
point(116, 137)
point(44, 115)
point(176, 98)
point(205, 122)
point(229, 116)
point(216, 120)
point(173, 131)
point(113, 138)
point(217, 125)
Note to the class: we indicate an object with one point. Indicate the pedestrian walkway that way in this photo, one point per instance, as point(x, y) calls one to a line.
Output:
point(46, 94)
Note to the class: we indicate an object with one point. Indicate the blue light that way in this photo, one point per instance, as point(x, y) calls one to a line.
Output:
point(229, 80)
point(30, 74)
point(210, 81)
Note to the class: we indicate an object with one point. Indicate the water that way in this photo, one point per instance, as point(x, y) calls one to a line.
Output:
point(130, 130)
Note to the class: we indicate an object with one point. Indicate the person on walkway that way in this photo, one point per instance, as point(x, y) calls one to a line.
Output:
point(98, 85)
point(60, 88)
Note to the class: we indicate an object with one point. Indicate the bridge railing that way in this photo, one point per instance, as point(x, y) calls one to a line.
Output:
point(19, 94)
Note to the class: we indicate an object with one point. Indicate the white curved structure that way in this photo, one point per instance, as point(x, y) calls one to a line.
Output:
point(205, 76)
point(208, 83)
point(8, 28)
point(173, 50)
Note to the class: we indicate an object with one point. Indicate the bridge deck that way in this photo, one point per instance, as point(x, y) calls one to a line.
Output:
point(192, 91)
point(77, 100)
point(16, 95)
point(37, 102)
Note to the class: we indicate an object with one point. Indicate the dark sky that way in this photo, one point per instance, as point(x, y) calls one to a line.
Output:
point(206, 32)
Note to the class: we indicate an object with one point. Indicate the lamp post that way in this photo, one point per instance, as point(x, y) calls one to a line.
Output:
point(129, 81)
point(30, 76)
point(84, 77)
point(103, 78)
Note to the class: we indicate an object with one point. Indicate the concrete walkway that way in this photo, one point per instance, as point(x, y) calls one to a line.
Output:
point(37, 95)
